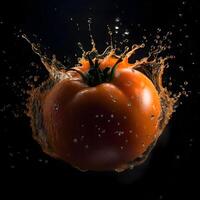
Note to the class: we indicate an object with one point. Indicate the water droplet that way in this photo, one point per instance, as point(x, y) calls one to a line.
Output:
point(75, 140)
point(82, 137)
point(184, 2)
point(56, 107)
point(157, 37)
point(119, 133)
point(35, 78)
point(121, 147)
point(103, 131)
point(112, 115)
point(159, 30)
point(117, 27)
point(46, 161)
point(101, 115)
point(126, 141)
point(114, 100)
point(89, 20)
point(96, 116)
point(180, 15)
point(177, 157)
point(186, 36)
point(125, 117)
point(108, 120)
point(181, 68)
point(82, 125)
point(126, 32)
point(144, 37)
point(11, 154)
point(86, 146)
point(143, 145)
point(129, 104)
point(130, 131)
point(118, 123)
point(180, 44)
point(99, 135)
point(117, 19)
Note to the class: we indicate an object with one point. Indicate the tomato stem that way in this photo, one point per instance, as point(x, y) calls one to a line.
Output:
point(95, 75)
point(112, 73)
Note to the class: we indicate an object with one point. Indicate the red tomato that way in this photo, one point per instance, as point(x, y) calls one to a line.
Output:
point(102, 123)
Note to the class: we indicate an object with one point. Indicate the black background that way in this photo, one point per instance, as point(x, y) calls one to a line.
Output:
point(172, 169)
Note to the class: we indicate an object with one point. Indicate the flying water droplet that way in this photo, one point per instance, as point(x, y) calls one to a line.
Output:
point(103, 131)
point(75, 140)
point(117, 19)
point(56, 107)
point(126, 32)
point(129, 104)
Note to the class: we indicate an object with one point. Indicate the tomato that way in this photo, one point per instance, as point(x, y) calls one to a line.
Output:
point(102, 123)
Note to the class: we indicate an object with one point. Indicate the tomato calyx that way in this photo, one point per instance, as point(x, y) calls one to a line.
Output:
point(95, 75)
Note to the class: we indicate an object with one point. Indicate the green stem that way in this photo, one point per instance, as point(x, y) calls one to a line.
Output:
point(112, 73)
point(95, 75)
point(90, 61)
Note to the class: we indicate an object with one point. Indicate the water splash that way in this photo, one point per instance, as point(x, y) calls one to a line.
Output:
point(152, 66)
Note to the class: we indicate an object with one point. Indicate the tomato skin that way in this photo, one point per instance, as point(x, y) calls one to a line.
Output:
point(105, 126)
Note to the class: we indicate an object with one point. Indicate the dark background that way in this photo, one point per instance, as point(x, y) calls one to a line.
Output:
point(172, 169)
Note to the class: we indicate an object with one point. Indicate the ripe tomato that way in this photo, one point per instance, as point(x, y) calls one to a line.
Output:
point(103, 120)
